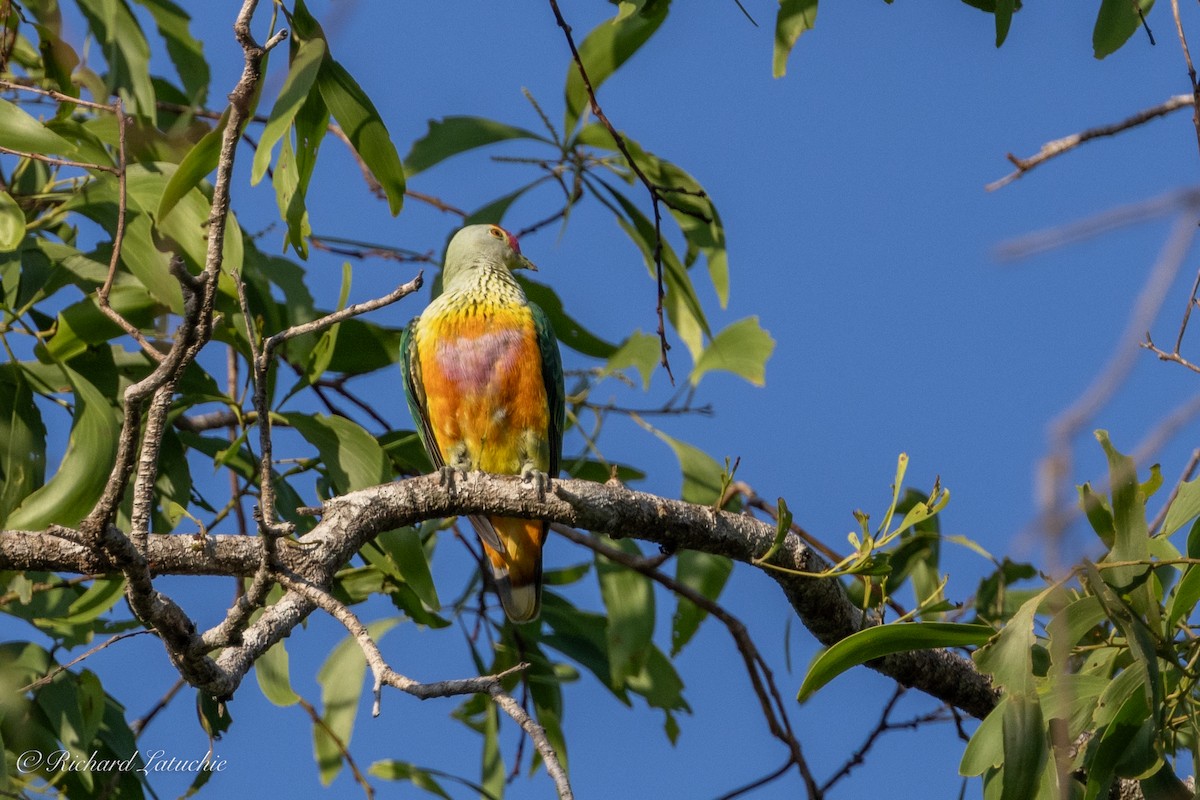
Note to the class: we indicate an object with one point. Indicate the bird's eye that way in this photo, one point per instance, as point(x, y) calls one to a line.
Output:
point(499, 234)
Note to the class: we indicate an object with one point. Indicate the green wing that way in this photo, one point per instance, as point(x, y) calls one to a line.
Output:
point(552, 378)
point(414, 392)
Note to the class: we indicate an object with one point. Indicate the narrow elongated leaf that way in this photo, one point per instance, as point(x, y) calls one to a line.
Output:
point(567, 329)
point(185, 50)
point(352, 457)
point(12, 223)
point(882, 640)
point(271, 670)
point(450, 136)
point(69, 495)
point(701, 473)
point(741, 348)
point(126, 51)
point(201, 160)
point(403, 546)
point(1025, 749)
point(604, 50)
point(302, 74)
point(392, 770)
point(341, 678)
point(1116, 21)
point(794, 18)
point(1184, 508)
point(706, 574)
point(1008, 657)
point(360, 121)
point(986, 749)
point(20, 131)
point(629, 600)
point(22, 441)
point(1131, 540)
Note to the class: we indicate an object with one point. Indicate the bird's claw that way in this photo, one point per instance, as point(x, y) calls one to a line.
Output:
point(539, 479)
point(448, 474)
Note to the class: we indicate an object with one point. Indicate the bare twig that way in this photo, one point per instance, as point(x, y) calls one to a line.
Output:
point(656, 192)
point(1191, 70)
point(492, 685)
point(61, 668)
point(761, 678)
point(343, 750)
point(139, 725)
point(1055, 468)
point(1067, 143)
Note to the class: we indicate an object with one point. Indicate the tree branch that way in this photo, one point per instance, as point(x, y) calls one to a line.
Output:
point(353, 519)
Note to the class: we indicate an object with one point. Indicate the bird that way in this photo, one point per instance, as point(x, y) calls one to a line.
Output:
point(484, 382)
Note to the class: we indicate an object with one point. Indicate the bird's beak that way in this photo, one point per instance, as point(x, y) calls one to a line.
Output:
point(525, 263)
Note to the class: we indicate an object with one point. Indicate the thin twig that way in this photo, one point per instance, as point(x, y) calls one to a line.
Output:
point(1067, 143)
point(61, 668)
point(1055, 467)
point(491, 685)
point(656, 197)
point(138, 726)
point(761, 678)
point(343, 750)
point(1191, 70)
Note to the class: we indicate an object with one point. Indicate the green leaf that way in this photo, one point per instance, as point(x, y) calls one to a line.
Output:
point(22, 441)
point(641, 351)
point(1099, 515)
point(360, 121)
point(1183, 509)
point(1025, 749)
point(681, 303)
point(201, 160)
point(1003, 12)
point(702, 475)
point(392, 770)
point(604, 50)
point(986, 749)
point(322, 353)
point(403, 546)
point(1116, 21)
point(127, 52)
point(341, 678)
point(1131, 540)
point(629, 599)
point(306, 60)
point(12, 223)
point(794, 18)
point(707, 574)
point(185, 50)
point(20, 131)
point(567, 329)
point(1069, 626)
point(271, 670)
point(741, 348)
point(352, 457)
point(70, 494)
point(1008, 657)
point(453, 135)
point(882, 640)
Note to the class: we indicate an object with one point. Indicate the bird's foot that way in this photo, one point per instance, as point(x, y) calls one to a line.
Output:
point(539, 479)
point(449, 474)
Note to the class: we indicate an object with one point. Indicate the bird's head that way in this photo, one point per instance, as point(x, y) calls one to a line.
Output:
point(483, 245)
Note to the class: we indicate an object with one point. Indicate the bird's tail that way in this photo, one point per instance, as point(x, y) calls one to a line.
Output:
point(518, 571)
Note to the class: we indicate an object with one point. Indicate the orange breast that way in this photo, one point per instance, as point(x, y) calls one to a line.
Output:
point(484, 390)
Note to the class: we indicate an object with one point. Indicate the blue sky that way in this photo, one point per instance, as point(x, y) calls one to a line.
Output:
point(861, 235)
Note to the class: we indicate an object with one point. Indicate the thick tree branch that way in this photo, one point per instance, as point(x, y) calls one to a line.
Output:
point(352, 520)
